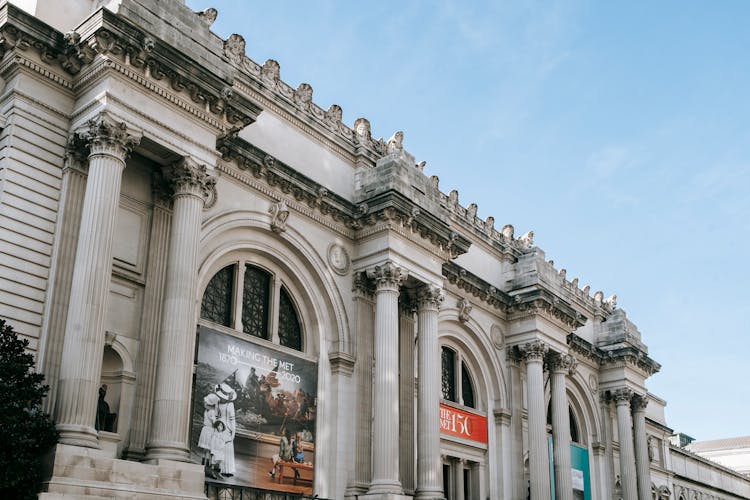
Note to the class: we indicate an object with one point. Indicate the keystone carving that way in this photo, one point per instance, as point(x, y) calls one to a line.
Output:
point(279, 215)
point(464, 309)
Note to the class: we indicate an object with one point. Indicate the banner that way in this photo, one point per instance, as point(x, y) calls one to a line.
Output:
point(579, 470)
point(463, 424)
point(254, 409)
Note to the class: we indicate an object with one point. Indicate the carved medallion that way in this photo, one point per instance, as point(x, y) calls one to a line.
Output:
point(338, 259)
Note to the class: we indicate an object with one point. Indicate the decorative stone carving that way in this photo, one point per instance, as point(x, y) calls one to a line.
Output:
point(508, 232)
point(564, 363)
point(623, 395)
point(333, 117)
point(189, 177)
point(496, 333)
point(598, 296)
point(453, 200)
point(234, 48)
point(420, 166)
point(279, 215)
point(563, 273)
point(534, 350)
point(387, 275)
point(650, 448)
point(395, 143)
point(593, 384)
point(489, 224)
point(526, 241)
point(435, 182)
point(271, 71)
point(430, 297)
point(104, 136)
point(338, 259)
point(303, 96)
point(208, 16)
point(610, 303)
point(574, 283)
point(471, 211)
point(464, 309)
point(362, 131)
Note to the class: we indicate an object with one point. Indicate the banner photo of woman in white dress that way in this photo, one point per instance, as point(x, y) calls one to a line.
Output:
point(254, 408)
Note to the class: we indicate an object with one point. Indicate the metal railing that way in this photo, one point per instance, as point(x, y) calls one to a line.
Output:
point(222, 491)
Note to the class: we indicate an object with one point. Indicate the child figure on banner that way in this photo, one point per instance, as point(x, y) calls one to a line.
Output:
point(219, 440)
point(285, 452)
point(207, 431)
point(225, 414)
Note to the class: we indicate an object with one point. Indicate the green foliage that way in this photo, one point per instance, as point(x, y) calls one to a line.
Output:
point(26, 432)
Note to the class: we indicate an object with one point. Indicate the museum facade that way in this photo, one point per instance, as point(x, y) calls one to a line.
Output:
point(228, 289)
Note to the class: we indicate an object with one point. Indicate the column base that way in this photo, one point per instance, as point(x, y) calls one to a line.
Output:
point(78, 435)
point(429, 494)
point(385, 496)
point(161, 450)
point(391, 489)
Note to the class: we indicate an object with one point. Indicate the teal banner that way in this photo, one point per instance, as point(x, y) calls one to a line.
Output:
point(579, 464)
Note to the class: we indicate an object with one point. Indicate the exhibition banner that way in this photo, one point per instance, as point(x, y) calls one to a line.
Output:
point(254, 410)
point(579, 470)
point(463, 424)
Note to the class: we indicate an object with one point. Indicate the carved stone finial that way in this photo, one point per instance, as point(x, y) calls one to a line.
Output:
point(362, 131)
point(279, 215)
point(333, 115)
point(471, 211)
point(587, 289)
point(387, 275)
point(610, 303)
point(489, 223)
point(435, 182)
point(464, 309)
point(395, 143)
point(270, 71)
point(598, 296)
point(188, 177)
point(526, 241)
point(533, 351)
point(104, 136)
point(208, 16)
point(430, 297)
point(234, 48)
point(574, 283)
point(508, 232)
point(453, 199)
point(303, 95)
point(420, 166)
point(563, 273)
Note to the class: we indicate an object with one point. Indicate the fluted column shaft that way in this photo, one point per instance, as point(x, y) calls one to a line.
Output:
point(83, 347)
point(170, 419)
point(385, 426)
point(458, 476)
point(561, 366)
point(533, 352)
point(429, 465)
point(627, 460)
point(643, 471)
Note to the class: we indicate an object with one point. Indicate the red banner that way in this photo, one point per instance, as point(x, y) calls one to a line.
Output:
point(463, 424)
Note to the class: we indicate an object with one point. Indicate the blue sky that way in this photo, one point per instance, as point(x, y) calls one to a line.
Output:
point(617, 131)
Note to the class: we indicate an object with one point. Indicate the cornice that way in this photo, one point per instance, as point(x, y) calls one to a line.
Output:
point(539, 301)
point(625, 355)
point(476, 286)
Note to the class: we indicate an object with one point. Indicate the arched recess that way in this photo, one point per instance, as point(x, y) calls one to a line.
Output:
point(583, 404)
point(304, 272)
point(118, 375)
point(480, 356)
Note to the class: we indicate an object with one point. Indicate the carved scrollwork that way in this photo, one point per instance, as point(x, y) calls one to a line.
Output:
point(430, 297)
point(107, 137)
point(622, 396)
point(279, 215)
point(533, 351)
point(563, 363)
point(188, 177)
point(387, 275)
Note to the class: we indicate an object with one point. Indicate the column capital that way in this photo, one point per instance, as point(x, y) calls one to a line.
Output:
point(190, 178)
point(638, 403)
point(562, 363)
point(622, 396)
point(387, 276)
point(533, 351)
point(430, 297)
point(105, 136)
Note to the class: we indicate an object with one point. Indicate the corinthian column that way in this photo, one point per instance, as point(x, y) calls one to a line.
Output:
point(429, 466)
point(533, 353)
point(643, 471)
point(562, 365)
point(385, 471)
point(627, 462)
point(81, 361)
point(171, 413)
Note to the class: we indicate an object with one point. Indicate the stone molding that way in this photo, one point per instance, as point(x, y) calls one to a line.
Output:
point(628, 355)
point(387, 276)
point(341, 363)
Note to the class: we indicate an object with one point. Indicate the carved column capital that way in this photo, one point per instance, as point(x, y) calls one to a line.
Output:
point(562, 363)
point(430, 297)
point(638, 402)
point(387, 276)
point(622, 396)
point(533, 351)
point(104, 136)
point(76, 155)
point(189, 178)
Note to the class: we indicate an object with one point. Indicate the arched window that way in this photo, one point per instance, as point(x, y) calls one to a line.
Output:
point(450, 383)
point(575, 436)
point(267, 309)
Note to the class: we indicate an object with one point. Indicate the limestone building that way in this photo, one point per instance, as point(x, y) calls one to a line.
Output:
point(226, 287)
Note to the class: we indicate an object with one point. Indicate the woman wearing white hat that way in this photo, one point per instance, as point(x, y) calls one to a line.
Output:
point(225, 413)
